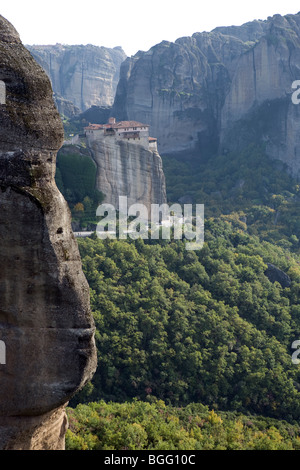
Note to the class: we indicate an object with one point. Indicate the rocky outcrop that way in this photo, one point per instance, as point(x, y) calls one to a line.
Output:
point(219, 91)
point(128, 169)
point(275, 274)
point(179, 89)
point(83, 75)
point(66, 107)
point(45, 319)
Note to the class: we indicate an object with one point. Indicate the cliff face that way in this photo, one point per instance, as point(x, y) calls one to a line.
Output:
point(82, 75)
point(259, 104)
point(219, 90)
point(127, 169)
point(45, 319)
point(179, 88)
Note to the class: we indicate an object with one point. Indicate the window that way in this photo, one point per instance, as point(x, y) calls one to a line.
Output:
point(2, 92)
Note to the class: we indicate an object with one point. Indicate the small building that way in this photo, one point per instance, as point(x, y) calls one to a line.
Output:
point(130, 131)
point(152, 143)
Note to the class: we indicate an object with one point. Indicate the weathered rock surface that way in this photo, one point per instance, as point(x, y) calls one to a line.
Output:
point(219, 91)
point(275, 274)
point(66, 107)
point(128, 169)
point(84, 75)
point(179, 89)
point(45, 318)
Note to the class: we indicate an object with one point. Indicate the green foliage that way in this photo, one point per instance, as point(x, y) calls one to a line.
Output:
point(78, 174)
point(205, 326)
point(76, 179)
point(180, 328)
point(248, 183)
point(155, 426)
point(71, 126)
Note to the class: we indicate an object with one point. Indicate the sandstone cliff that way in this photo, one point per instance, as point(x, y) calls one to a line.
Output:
point(82, 75)
point(45, 319)
point(220, 90)
point(128, 169)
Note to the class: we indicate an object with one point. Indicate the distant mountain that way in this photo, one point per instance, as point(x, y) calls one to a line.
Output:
point(219, 91)
point(81, 76)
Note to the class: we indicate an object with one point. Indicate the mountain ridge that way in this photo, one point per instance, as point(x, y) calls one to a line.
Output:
point(200, 91)
point(83, 75)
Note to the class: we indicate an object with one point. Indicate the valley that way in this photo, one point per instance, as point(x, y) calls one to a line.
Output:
point(178, 329)
point(140, 342)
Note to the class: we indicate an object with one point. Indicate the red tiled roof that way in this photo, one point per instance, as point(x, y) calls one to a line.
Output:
point(117, 125)
point(94, 126)
point(125, 124)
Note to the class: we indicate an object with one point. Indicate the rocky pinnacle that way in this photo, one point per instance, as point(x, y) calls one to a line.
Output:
point(46, 327)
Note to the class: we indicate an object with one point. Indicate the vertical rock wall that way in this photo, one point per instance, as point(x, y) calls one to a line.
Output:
point(45, 319)
point(219, 91)
point(84, 75)
point(128, 169)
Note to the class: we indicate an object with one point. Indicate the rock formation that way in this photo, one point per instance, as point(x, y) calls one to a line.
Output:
point(45, 319)
point(219, 91)
point(275, 274)
point(128, 169)
point(83, 75)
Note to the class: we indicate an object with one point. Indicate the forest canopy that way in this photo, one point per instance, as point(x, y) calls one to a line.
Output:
point(188, 337)
point(204, 326)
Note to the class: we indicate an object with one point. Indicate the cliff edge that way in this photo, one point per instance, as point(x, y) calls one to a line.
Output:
point(128, 163)
point(46, 327)
point(219, 91)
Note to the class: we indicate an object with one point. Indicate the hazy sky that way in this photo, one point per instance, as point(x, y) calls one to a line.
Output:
point(132, 24)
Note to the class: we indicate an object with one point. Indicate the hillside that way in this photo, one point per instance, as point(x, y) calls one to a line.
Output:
point(247, 182)
point(207, 326)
